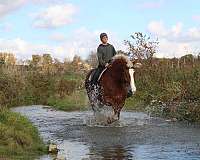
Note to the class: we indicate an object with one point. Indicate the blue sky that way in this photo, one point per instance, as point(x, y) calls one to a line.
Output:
point(68, 27)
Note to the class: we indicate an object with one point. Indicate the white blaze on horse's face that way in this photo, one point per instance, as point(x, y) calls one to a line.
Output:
point(132, 82)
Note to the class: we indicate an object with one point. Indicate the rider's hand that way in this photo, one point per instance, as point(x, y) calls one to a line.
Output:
point(106, 65)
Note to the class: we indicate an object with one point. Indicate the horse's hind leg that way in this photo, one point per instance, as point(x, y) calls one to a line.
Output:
point(118, 115)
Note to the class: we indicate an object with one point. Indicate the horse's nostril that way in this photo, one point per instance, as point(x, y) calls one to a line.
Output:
point(130, 93)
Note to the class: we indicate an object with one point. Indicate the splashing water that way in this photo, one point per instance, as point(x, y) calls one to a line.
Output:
point(101, 112)
point(100, 116)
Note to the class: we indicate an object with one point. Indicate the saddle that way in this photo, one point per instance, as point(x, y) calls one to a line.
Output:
point(96, 75)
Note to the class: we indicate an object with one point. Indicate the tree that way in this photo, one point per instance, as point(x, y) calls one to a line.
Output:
point(10, 60)
point(76, 63)
point(76, 59)
point(58, 66)
point(47, 59)
point(2, 61)
point(36, 60)
point(92, 59)
point(141, 46)
point(187, 59)
point(47, 62)
point(7, 58)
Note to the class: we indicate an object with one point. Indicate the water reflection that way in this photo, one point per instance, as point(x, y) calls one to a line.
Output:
point(74, 150)
point(114, 152)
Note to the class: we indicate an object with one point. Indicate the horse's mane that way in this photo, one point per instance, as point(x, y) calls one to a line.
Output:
point(116, 60)
point(123, 57)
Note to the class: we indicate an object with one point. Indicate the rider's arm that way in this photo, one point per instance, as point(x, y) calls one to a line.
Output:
point(100, 57)
point(114, 51)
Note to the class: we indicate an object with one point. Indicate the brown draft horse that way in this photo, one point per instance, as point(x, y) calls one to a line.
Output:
point(114, 85)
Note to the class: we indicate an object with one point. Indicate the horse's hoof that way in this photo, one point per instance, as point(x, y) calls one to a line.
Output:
point(109, 120)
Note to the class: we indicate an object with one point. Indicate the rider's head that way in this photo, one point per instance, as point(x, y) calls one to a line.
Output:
point(104, 38)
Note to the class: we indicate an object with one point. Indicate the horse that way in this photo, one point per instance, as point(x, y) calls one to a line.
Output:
point(115, 84)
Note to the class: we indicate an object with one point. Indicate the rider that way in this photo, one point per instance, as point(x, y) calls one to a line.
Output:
point(105, 52)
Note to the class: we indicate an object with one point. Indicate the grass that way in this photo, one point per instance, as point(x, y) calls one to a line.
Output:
point(78, 101)
point(136, 102)
point(75, 101)
point(72, 76)
point(19, 139)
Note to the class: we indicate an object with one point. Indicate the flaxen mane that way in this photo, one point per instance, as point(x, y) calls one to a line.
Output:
point(120, 57)
point(124, 57)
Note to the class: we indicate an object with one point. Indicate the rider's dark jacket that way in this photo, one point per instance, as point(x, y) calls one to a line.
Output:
point(105, 54)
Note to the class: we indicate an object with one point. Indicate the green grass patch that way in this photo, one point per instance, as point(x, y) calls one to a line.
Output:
point(73, 76)
point(136, 102)
point(76, 101)
point(19, 139)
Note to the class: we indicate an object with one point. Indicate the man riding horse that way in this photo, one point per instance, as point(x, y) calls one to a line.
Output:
point(112, 82)
point(105, 52)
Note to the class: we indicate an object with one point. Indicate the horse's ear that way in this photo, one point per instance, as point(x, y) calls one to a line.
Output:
point(136, 63)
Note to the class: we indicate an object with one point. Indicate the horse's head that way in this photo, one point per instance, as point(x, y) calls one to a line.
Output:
point(125, 69)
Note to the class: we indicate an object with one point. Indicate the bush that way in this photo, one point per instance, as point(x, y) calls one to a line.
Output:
point(18, 137)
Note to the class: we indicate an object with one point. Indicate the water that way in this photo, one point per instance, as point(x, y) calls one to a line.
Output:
point(135, 137)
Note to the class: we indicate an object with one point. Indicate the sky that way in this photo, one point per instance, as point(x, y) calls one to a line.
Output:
point(64, 28)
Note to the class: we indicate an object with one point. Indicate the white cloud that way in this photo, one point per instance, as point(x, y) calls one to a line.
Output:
point(196, 18)
point(8, 6)
point(194, 33)
point(21, 48)
point(81, 42)
point(57, 37)
point(55, 16)
point(172, 49)
point(155, 4)
point(24, 50)
point(174, 33)
point(177, 29)
point(174, 41)
point(6, 27)
point(46, 1)
point(157, 28)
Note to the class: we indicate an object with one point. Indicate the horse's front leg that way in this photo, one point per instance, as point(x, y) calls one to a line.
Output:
point(119, 108)
point(114, 117)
